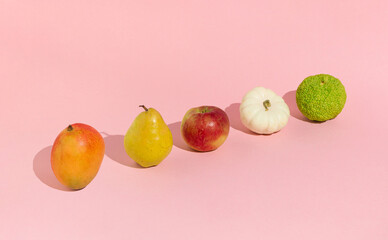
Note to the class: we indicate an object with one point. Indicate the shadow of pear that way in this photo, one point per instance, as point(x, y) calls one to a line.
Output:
point(177, 139)
point(42, 169)
point(114, 149)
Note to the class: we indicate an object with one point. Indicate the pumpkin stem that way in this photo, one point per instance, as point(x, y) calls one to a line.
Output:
point(267, 104)
point(146, 109)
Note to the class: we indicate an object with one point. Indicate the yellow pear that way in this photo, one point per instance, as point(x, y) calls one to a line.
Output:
point(149, 140)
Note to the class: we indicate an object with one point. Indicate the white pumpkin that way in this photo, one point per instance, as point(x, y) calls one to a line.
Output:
point(263, 112)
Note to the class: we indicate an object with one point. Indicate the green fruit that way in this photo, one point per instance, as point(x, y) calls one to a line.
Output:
point(149, 140)
point(321, 97)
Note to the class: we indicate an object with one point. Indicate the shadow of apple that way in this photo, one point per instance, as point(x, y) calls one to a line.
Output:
point(177, 139)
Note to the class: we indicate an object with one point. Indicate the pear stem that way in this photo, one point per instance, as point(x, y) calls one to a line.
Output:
point(146, 109)
point(267, 104)
point(70, 128)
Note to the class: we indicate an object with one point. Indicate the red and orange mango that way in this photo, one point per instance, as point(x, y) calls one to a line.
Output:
point(76, 155)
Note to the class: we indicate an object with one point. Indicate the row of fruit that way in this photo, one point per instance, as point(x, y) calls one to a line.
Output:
point(78, 150)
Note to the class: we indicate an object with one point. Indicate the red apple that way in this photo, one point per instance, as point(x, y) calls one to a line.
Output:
point(205, 128)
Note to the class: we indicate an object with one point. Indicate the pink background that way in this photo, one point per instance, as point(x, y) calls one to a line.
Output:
point(94, 62)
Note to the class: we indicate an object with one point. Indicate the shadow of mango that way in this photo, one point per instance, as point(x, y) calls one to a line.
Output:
point(42, 169)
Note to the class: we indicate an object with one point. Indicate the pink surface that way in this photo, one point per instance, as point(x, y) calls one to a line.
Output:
point(94, 62)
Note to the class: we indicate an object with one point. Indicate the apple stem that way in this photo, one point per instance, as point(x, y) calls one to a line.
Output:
point(146, 109)
point(69, 128)
point(267, 104)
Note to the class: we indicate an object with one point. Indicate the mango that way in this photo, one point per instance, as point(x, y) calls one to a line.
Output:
point(76, 155)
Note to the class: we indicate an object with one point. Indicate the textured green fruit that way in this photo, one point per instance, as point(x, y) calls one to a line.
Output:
point(321, 97)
